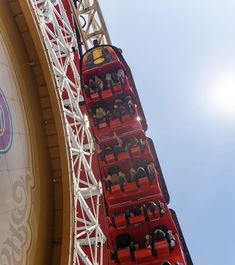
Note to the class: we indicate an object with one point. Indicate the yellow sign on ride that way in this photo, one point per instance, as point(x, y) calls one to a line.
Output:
point(98, 56)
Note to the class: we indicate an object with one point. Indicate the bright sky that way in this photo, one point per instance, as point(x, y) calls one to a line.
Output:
point(182, 55)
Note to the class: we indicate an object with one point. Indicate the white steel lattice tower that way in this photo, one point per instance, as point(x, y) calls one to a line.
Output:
point(55, 25)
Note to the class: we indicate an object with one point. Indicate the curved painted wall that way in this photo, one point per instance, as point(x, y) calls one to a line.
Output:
point(16, 176)
point(26, 193)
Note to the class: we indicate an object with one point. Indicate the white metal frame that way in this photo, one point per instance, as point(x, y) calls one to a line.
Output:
point(90, 22)
point(60, 44)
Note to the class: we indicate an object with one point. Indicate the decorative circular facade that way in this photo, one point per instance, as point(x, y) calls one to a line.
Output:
point(17, 179)
point(6, 131)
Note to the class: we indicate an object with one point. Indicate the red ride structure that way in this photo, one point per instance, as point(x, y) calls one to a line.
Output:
point(140, 227)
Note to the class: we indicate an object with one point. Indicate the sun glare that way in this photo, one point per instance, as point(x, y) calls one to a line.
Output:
point(223, 94)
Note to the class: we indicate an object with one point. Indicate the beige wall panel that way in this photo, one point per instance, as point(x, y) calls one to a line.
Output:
point(26, 194)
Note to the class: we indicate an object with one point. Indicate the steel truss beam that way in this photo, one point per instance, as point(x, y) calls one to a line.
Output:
point(90, 22)
point(60, 42)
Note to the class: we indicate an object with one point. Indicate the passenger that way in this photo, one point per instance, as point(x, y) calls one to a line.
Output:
point(116, 113)
point(118, 102)
point(109, 81)
point(144, 212)
point(108, 151)
point(99, 85)
point(109, 183)
point(141, 173)
point(136, 211)
point(122, 180)
point(107, 118)
point(103, 153)
point(148, 242)
point(113, 169)
point(92, 85)
point(171, 239)
point(158, 235)
point(133, 142)
point(130, 106)
point(119, 109)
point(137, 181)
point(113, 172)
point(141, 145)
point(122, 109)
point(115, 179)
point(114, 77)
point(152, 207)
point(87, 91)
point(102, 156)
point(119, 147)
point(121, 77)
point(123, 240)
point(128, 215)
point(132, 248)
point(106, 54)
point(161, 207)
point(97, 148)
point(101, 115)
point(133, 175)
point(152, 172)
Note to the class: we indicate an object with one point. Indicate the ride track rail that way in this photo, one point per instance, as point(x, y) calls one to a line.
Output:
point(90, 22)
point(55, 24)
